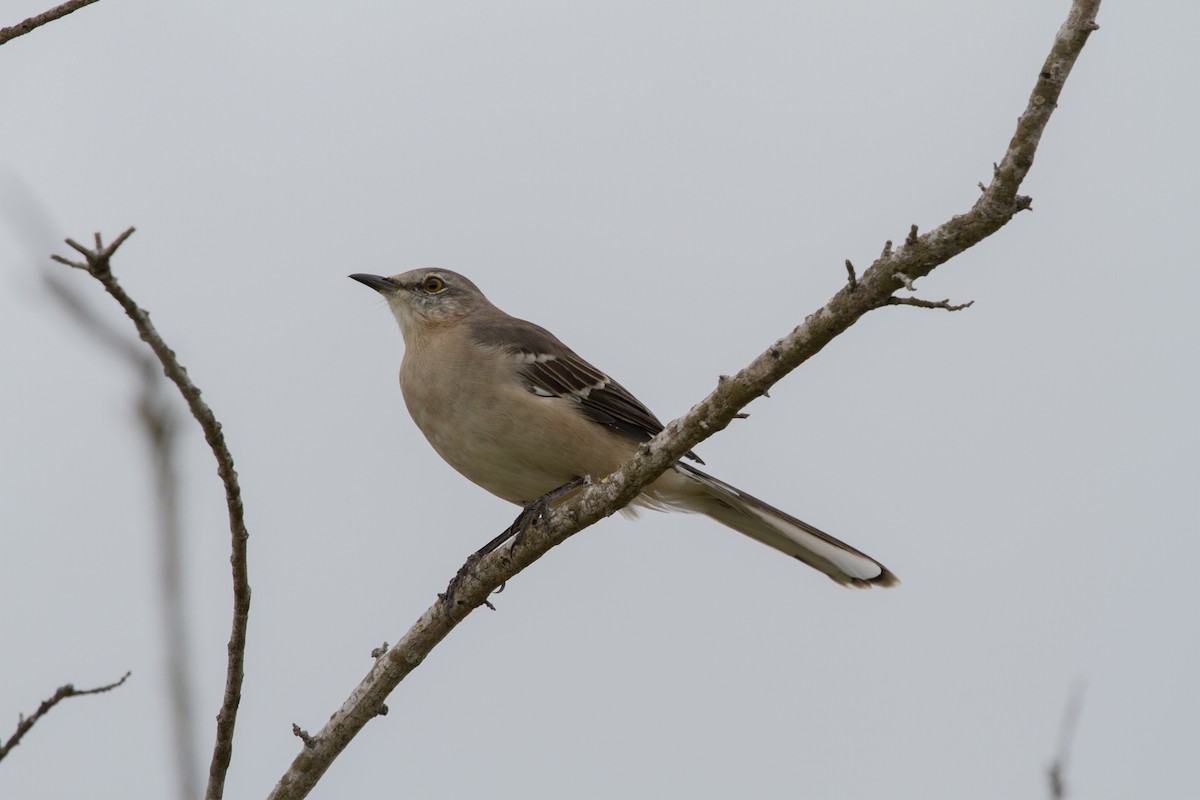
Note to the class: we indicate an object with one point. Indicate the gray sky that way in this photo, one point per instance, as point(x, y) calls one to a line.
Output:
point(691, 175)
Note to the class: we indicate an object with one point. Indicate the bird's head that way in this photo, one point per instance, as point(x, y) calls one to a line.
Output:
point(425, 298)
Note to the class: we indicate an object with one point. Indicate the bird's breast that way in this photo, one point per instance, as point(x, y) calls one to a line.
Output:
point(480, 418)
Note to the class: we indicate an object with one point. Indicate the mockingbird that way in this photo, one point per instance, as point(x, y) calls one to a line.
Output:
point(517, 412)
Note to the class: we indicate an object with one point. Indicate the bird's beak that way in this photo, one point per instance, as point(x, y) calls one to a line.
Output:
point(376, 282)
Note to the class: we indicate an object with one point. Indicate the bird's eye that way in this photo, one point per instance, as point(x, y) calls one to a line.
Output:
point(433, 284)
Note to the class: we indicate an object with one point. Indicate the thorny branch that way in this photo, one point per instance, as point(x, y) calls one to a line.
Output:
point(97, 263)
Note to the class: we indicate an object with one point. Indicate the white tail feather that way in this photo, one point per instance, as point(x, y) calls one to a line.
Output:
point(688, 489)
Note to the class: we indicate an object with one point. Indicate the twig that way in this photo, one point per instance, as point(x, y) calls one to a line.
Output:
point(162, 431)
point(914, 301)
point(302, 735)
point(24, 27)
point(161, 427)
point(24, 723)
point(912, 238)
point(851, 275)
point(96, 263)
point(602, 498)
point(1056, 774)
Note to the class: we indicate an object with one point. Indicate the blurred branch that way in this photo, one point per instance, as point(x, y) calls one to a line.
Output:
point(97, 264)
point(24, 723)
point(161, 427)
point(1057, 772)
point(894, 269)
point(24, 27)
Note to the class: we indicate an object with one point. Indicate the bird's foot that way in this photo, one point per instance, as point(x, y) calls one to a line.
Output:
point(532, 512)
point(448, 598)
point(538, 509)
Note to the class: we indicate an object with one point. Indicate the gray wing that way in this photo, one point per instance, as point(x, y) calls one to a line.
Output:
point(551, 369)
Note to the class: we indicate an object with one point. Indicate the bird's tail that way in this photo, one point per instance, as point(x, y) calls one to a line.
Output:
point(689, 489)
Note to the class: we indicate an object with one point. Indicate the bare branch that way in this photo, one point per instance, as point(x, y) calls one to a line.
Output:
point(915, 301)
point(920, 255)
point(24, 27)
point(96, 263)
point(124, 348)
point(1057, 773)
point(302, 735)
point(161, 427)
point(24, 724)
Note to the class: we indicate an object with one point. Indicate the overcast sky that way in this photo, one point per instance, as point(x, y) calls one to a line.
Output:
point(670, 187)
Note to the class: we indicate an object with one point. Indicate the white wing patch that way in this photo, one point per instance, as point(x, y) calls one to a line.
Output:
point(537, 358)
point(581, 394)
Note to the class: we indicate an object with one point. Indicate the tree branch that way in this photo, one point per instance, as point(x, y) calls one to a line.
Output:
point(96, 263)
point(918, 256)
point(919, 303)
point(159, 422)
point(1056, 774)
point(24, 723)
point(24, 27)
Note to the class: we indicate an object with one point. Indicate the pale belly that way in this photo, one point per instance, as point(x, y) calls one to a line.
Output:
point(513, 443)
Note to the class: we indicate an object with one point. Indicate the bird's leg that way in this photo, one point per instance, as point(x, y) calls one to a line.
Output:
point(537, 509)
point(532, 512)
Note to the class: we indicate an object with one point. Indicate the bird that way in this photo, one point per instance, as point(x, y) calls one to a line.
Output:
point(514, 410)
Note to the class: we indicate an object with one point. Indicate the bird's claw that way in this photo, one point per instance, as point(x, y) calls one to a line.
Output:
point(531, 513)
